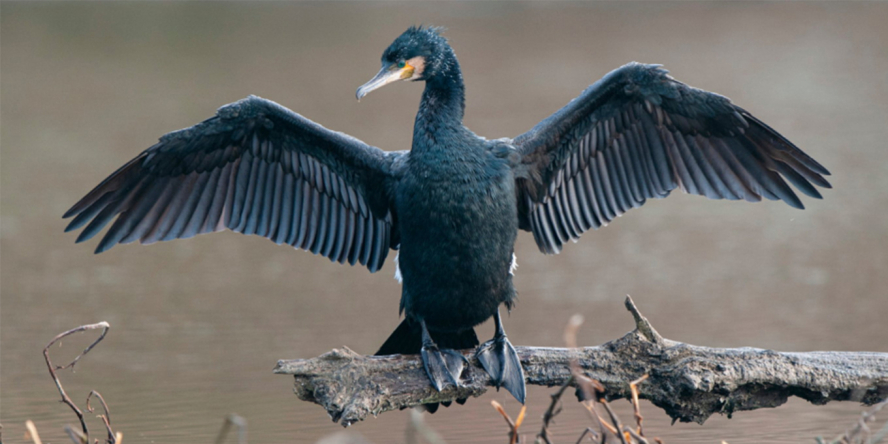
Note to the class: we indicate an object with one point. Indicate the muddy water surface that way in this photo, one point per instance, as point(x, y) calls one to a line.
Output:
point(198, 325)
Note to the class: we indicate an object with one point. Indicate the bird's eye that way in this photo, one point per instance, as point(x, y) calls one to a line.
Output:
point(401, 64)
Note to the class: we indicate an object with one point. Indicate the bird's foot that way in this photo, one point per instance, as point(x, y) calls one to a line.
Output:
point(443, 366)
point(501, 362)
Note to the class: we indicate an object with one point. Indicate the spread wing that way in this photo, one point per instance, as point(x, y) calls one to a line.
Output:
point(254, 168)
point(638, 133)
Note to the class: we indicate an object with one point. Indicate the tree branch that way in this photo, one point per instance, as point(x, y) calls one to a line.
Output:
point(689, 382)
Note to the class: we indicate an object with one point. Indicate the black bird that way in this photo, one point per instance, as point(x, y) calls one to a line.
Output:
point(454, 203)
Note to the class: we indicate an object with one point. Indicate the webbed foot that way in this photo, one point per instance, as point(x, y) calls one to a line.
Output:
point(443, 366)
point(501, 362)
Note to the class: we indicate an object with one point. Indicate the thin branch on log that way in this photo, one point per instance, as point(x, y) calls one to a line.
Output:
point(689, 382)
point(642, 325)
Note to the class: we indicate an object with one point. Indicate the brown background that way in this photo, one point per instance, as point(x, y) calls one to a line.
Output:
point(197, 325)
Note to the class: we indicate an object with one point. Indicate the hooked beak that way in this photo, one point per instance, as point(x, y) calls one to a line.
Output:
point(386, 75)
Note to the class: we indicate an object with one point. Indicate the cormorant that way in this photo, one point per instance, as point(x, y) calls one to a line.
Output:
point(452, 205)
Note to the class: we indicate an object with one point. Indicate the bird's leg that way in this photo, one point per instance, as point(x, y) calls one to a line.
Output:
point(501, 362)
point(442, 366)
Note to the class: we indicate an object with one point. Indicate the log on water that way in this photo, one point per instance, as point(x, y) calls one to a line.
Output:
point(689, 382)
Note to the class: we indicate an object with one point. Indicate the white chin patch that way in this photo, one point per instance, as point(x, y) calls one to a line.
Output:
point(400, 278)
point(514, 265)
point(418, 64)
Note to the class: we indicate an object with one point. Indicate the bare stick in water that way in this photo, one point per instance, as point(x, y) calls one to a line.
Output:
point(52, 369)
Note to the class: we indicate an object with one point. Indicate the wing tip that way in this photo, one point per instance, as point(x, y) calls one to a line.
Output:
point(71, 227)
point(813, 193)
point(71, 212)
point(552, 250)
point(794, 201)
point(105, 245)
point(86, 235)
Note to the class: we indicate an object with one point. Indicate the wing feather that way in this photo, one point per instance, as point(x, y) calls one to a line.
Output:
point(188, 208)
point(143, 200)
point(254, 168)
point(324, 239)
point(358, 244)
point(638, 134)
point(369, 237)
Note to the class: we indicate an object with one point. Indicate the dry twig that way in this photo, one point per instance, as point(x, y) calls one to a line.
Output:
point(570, 339)
point(633, 387)
point(553, 410)
point(106, 417)
point(861, 433)
point(32, 432)
point(513, 425)
point(615, 420)
point(52, 370)
point(594, 393)
point(588, 431)
point(237, 421)
point(77, 437)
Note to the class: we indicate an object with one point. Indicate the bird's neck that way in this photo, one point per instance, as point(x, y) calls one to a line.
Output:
point(443, 102)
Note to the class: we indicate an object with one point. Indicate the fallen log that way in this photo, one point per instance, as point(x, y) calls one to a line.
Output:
point(689, 382)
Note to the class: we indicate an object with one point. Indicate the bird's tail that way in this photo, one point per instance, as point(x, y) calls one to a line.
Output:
point(407, 340)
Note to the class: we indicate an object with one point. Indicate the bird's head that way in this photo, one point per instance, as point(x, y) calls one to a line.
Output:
point(417, 54)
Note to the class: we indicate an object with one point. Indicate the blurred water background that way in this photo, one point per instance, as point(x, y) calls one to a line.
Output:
point(197, 325)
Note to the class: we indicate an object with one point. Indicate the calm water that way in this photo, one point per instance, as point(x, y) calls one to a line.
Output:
point(198, 325)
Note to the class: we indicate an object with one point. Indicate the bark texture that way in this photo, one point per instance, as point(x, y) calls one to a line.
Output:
point(689, 382)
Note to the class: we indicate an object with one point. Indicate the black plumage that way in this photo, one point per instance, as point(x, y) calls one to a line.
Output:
point(255, 168)
point(454, 203)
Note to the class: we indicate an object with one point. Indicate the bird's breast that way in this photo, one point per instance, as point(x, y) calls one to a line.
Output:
point(460, 196)
point(458, 223)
